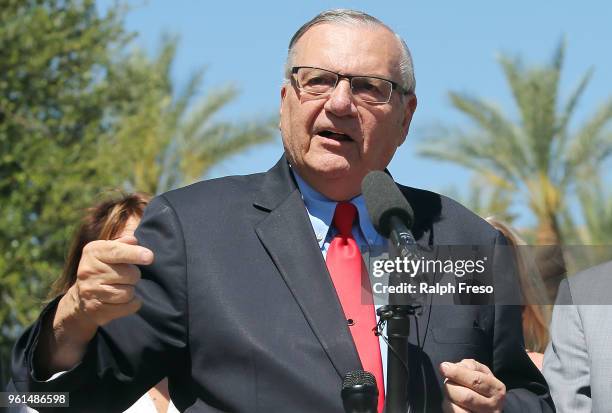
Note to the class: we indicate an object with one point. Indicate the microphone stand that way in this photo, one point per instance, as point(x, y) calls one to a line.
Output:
point(398, 330)
point(397, 315)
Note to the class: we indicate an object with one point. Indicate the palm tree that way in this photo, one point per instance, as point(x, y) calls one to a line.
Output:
point(537, 159)
point(589, 239)
point(596, 206)
point(168, 140)
point(485, 200)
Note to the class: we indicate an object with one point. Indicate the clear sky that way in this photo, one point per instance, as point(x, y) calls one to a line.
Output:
point(454, 46)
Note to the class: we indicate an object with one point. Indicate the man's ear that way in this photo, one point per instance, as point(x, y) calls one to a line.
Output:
point(410, 106)
point(283, 95)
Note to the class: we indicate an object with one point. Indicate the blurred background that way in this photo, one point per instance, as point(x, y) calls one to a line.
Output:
point(513, 119)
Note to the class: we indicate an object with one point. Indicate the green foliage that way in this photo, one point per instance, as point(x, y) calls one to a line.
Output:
point(486, 200)
point(537, 159)
point(596, 206)
point(166, 139)
point(78, 115)
point(53, 105)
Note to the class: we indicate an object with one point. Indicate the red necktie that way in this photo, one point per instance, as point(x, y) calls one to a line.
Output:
point(349, 274)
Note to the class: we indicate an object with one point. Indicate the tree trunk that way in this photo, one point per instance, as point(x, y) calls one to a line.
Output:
point(549, 254)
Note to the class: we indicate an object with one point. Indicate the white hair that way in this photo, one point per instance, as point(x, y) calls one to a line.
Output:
point(351, 17)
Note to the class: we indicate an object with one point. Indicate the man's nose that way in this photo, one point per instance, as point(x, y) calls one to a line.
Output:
point(341, 102)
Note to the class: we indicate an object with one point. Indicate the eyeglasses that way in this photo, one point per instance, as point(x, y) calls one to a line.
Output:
point(370, 89)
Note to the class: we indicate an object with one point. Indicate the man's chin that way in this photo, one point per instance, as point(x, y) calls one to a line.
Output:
point(336, 181)
point(332, 167)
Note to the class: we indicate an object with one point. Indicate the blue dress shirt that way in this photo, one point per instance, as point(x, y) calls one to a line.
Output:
point(321, 212)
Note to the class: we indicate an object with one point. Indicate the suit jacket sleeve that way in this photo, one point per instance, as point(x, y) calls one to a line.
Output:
point(128, 355)
point(527, 390)
point(566, 361)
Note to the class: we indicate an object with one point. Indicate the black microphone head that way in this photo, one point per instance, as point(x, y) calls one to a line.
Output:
point(383, 200)
point(358, 378)
point(359, 392)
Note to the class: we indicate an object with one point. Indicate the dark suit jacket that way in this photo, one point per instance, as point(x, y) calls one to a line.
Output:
point(240, 313)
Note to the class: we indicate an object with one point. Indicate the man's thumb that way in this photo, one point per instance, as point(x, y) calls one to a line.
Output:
point(128, 239)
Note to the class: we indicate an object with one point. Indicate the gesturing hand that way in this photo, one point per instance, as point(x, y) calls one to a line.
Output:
point(103, 291)
point(469, 386)
point(106, 278)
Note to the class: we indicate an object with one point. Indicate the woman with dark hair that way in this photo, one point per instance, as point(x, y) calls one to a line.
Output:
point(536, 313)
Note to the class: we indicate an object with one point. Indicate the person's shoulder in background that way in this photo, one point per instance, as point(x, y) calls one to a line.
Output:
point(592, 286)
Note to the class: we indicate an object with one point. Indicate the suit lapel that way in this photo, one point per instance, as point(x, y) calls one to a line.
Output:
point(287, 235)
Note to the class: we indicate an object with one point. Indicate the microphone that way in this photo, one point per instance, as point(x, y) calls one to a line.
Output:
point(389, 211)
point(393, 217)
point(359, 392)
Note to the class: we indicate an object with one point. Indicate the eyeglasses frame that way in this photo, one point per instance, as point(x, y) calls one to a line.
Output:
point(394, 85)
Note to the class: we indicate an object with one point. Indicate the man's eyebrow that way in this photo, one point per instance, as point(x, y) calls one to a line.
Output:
point(378, 76)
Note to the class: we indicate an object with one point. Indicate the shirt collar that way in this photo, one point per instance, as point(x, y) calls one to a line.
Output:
point(321, 211)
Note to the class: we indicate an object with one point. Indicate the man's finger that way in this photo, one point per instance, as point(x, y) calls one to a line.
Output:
point(122, 274)
point(474, 365)
point(116, 294)
point(102, 274)
point(115, 311)
point(115, 252)
point(483, 383)
point(466, 398)
point(128, 239)
point(448, 407)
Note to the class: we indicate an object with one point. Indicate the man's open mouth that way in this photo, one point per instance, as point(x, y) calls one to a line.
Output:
point(335, 135)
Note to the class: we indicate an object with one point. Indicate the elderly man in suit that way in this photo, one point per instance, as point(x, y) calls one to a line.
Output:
point(578, 360)
point(239, 304)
